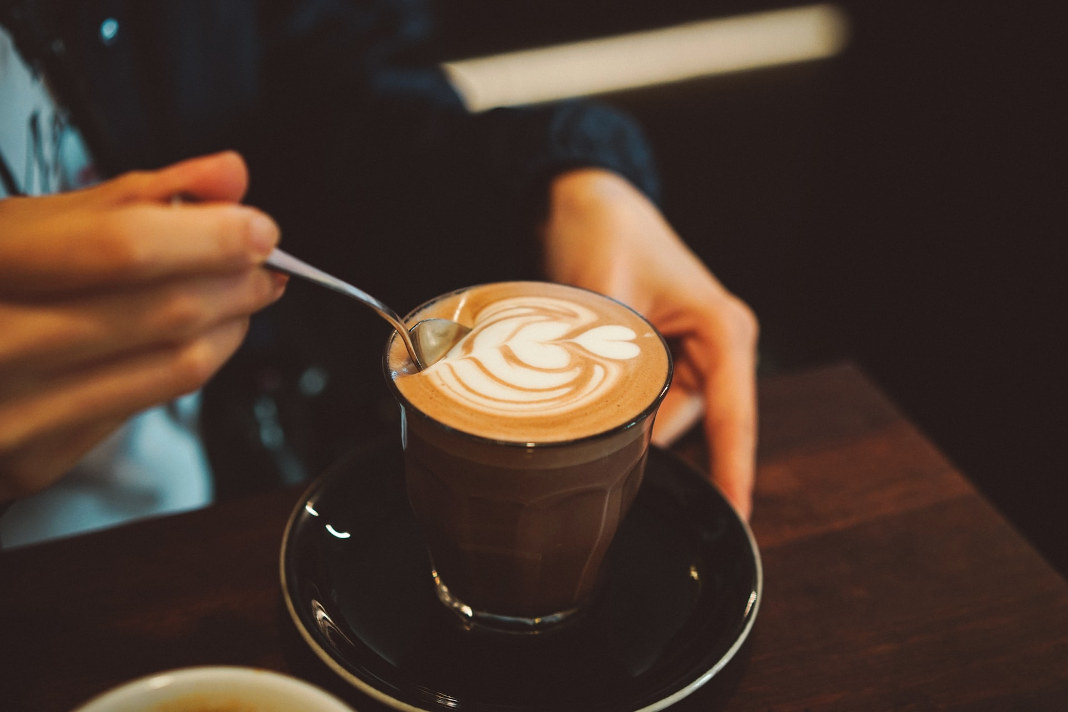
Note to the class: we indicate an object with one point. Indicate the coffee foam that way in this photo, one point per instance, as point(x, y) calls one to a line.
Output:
point(543, 363)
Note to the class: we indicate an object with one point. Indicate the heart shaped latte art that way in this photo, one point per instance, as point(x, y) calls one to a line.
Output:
point(542, 355)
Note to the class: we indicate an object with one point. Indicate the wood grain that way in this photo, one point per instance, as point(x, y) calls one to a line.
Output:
point(890, 583)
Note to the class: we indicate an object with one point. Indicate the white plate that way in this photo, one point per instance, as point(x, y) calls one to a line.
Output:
point(212, 688)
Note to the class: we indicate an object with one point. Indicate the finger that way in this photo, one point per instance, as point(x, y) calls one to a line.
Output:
point(45, 460)
point(679, 412)
point(45, 338)
point(117, 389)
point(132, 245)
point(731, 426)
point(144, 242)
point(222, 177)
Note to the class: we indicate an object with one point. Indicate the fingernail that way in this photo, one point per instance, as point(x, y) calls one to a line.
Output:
point(263, 234)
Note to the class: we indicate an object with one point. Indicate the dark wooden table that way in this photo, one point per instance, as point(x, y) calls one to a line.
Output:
point(890, 583)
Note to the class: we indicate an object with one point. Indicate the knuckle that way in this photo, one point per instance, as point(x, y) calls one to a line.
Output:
point(194, 364)
point(131, 185)
point(735, 321)
point(232, 228)
point(196, 361)
point(181, 315)
point(121, 245)
point(744, 321)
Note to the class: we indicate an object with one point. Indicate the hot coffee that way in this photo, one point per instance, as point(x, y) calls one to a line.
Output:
point(524, 446)
point(544, 363)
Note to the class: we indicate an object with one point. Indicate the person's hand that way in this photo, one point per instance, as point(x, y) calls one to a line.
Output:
point(603, 234)
point(113, 300)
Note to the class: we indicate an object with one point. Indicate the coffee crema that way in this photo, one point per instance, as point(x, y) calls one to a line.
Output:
point(544, 363)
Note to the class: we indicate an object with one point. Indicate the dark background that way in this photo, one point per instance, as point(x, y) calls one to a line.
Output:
point(901, 205)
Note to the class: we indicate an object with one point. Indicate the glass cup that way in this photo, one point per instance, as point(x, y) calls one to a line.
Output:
point(517, 530)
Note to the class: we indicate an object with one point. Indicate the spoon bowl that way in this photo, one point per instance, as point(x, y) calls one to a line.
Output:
point(433, 338)
point(426, 342)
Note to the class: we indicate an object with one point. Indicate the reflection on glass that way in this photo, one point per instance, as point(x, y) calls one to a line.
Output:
point(339, 534)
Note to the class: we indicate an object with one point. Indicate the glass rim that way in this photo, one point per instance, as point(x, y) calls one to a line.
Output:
point(629, 423)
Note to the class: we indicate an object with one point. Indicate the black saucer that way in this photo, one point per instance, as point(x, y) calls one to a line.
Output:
point(680, 596)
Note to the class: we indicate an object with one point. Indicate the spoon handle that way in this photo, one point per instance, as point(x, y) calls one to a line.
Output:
point(280, 261)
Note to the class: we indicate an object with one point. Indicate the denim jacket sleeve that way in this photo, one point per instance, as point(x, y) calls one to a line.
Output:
point(321, 97)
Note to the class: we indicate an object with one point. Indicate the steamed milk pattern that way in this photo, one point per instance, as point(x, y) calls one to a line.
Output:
point(544, 363)
point(535, 355)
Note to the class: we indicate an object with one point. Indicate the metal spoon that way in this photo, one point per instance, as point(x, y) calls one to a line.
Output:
point(426, 342)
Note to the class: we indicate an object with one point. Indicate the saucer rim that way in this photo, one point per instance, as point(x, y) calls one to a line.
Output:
point(750, 615)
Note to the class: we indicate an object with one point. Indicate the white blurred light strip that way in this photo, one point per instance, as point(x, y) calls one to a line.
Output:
point(642, 59)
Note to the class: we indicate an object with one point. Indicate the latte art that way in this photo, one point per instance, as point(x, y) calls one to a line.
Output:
point(543, 362)
point(538, 355)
